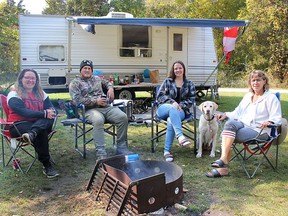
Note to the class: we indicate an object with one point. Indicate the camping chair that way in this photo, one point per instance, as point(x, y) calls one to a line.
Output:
point(82, 127)
point(157, 132)
point(16, 145)
point(260, 150)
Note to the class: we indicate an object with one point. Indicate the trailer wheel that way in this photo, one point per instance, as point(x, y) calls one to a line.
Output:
point(200, 94)
point(125, 95)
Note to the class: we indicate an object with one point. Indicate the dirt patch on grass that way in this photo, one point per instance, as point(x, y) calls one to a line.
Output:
point(67, 195)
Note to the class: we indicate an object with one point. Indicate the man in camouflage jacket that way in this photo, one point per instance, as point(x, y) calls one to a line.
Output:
point(88, 90)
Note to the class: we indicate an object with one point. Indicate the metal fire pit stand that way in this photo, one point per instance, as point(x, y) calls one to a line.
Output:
point(129, 189)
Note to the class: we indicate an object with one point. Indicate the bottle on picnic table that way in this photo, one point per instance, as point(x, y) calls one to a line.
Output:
point(111, 79)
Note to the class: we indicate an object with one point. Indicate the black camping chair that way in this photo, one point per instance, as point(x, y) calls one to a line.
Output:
point(189, 126)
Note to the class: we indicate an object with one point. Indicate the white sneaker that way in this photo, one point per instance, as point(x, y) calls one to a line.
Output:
point(168, 157)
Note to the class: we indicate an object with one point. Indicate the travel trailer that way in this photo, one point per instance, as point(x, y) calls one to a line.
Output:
point(120, 46)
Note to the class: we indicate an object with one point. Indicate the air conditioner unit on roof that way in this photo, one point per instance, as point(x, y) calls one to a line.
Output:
point(119, 15)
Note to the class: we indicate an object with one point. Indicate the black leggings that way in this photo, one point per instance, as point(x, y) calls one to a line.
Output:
point(42, 127)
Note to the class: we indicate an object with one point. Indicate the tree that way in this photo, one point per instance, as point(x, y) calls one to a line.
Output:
point(216, 9)
point(221, 9)
point(166, 8)
point(56, 7)
point(77, 7)
point(264, 45)
point(135, 7)
point(9, 39)
point(267, 37)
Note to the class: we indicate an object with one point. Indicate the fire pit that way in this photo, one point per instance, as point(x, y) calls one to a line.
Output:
point(133, 188)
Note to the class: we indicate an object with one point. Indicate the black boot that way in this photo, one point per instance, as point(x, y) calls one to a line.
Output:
point(123, 150)
point(29, 137)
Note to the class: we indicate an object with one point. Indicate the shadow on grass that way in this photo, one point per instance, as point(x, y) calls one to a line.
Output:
point(34, 194)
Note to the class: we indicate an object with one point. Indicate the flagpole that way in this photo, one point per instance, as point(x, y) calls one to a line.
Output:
point(222, 59)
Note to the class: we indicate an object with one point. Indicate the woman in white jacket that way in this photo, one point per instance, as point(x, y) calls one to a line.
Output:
point(258, 109)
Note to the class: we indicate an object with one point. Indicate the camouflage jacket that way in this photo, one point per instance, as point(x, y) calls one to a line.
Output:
point(86, 91)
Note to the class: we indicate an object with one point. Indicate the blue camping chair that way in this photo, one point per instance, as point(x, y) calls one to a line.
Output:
point(82, 127)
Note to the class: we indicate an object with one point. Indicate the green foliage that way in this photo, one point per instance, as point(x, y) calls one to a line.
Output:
point(166, 8)
point(57, 7)
point(266, 39)
point(9, 39)
point(77, 7)
point(135, 7)
point(232, 80)
point(264, 45)
point(221, 9)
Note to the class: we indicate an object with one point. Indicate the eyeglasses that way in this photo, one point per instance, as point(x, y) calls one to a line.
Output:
point(30, 78)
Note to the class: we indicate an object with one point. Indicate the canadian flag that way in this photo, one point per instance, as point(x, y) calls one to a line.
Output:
point(229, 40)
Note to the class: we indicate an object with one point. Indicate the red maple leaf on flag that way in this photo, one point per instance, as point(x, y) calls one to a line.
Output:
point(229, 40)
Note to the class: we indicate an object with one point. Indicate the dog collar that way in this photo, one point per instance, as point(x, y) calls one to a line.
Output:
point(209, 119)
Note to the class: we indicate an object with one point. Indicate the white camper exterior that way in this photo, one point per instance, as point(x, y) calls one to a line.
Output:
point(55, 45)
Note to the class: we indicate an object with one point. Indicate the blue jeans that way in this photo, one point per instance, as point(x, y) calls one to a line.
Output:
point(174, 120)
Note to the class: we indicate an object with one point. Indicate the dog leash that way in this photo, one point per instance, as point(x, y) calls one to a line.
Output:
point(209, 123)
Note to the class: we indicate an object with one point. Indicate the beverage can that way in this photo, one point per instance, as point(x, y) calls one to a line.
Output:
point(116, 79)
point(136, 80)
point(16, 165)
point(126, 79)
point(131, 157)
point(111, 79)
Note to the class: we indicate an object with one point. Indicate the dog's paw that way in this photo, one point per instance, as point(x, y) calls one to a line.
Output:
point(212, 154)
point(199, 155)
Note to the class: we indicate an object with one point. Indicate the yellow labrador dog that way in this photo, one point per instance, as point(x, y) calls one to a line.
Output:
point(208, 128)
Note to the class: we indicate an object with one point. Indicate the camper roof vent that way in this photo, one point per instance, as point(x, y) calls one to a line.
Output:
point(119, 15)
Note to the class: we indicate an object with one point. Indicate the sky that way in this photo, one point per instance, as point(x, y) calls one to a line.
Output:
point(33, 6)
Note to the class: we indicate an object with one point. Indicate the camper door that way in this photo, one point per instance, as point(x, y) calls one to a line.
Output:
point(177, 47)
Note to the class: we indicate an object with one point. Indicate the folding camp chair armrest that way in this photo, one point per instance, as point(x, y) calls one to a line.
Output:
point(8, 125)
point(68, 122)
point(273, 126)
point(255, 141)
point(154, 103)
point(118, 104)
point(4, 122)
point(272, 134)
point(82, 108)
point(189, 118)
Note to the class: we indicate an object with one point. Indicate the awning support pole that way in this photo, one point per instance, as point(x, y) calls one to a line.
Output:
point(222, 59)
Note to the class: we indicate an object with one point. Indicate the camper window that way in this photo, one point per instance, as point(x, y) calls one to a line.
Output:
point(51, 53)
point(177, 42)
point(136, 41)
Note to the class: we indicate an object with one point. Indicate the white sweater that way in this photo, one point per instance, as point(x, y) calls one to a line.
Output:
point(266, 108)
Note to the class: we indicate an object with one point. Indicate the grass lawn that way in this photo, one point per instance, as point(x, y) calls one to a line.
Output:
point(34, 194)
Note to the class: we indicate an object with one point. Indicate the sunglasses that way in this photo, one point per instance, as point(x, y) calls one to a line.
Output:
point(87, 62)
